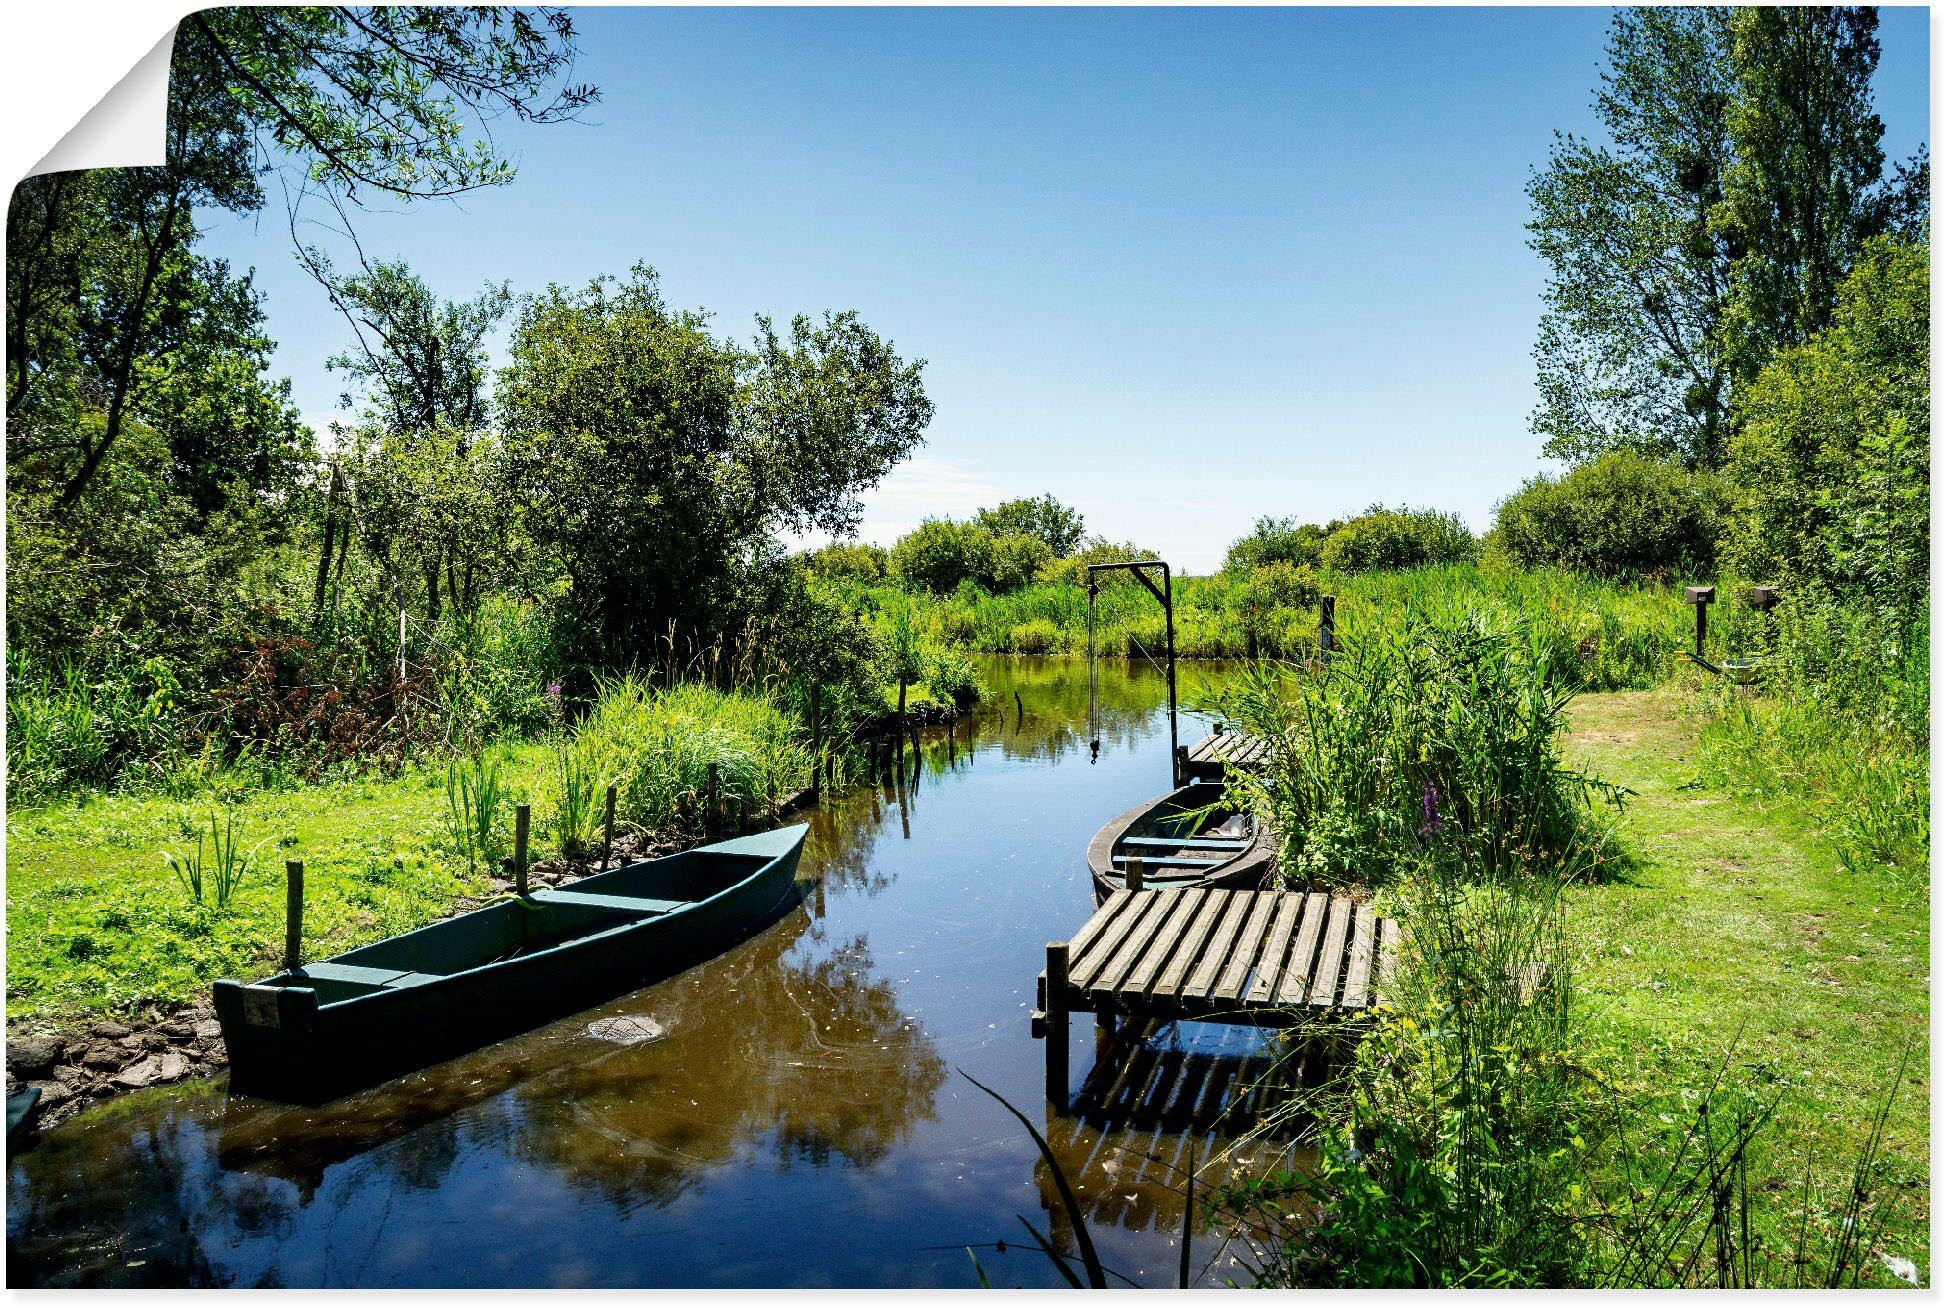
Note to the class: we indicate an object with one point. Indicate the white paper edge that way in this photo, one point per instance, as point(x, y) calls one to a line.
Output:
point(127, 127)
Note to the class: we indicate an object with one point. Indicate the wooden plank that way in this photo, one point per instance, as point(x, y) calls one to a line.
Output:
point(1202, 979)
point(1116, 903)
point(1242, 957)
point(1294, 986)
point(1289, 908)
point(1363, 938)
point(1141, 979)
point(1207, 914)
point(1135, 946)
point(1195, 841)
point(1110, 938)
point(1329, 958)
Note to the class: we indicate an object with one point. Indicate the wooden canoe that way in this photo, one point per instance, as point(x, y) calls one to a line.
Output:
point(1190, 837)
point(376, 1012)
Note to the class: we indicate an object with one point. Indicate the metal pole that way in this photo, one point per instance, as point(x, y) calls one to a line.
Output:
point(1174, 726)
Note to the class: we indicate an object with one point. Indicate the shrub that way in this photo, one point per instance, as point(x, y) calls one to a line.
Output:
point(1391, 539)
point(1017, 561)
point(941, 554)
point(861, 563)
point(1276, 540)
point(1622, 514)
point(950, 677)
point(1036, 636)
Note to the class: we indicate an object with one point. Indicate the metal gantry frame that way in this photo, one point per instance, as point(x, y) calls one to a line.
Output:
point(1164, 595)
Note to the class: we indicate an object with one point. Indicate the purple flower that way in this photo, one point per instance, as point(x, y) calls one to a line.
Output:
point(553, 691)
point(1434, 822)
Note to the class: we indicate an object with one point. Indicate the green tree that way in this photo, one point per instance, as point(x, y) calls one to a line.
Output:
point(1390, 539)
point(1276, 540)
point(1621, 514)
point(654, 462)
point(1832, 464)
point(1630, 349)
point(1799, 195)
point(941, 554)
point(1046, 519)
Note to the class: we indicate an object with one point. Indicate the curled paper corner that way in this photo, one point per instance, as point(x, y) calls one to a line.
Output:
point(127, 127)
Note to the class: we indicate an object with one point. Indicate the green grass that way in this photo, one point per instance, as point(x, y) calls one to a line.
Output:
point(1737, 926)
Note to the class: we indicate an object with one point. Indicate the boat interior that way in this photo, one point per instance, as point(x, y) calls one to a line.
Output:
point(1191, 833)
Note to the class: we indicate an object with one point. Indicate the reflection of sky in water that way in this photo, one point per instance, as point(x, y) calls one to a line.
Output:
point(800, 1124)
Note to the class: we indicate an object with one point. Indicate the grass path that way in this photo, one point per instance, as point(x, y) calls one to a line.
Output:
point(1734, 924)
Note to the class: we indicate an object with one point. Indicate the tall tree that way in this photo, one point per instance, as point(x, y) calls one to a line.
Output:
point(1045, 519)
point(1798, 198)
point(654, 461)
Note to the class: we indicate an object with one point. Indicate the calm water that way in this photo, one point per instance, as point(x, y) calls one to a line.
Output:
point(804, 1122)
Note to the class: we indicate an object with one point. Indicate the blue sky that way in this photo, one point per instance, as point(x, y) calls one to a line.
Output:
point(1180, 268)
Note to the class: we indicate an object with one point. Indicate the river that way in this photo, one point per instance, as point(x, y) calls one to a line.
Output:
point(805, 1121)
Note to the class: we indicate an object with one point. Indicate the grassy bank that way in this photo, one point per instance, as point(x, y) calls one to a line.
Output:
point(98, 921)
point(1604, 635)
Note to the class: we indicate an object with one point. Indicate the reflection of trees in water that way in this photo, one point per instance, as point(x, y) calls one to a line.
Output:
point(120, 1203)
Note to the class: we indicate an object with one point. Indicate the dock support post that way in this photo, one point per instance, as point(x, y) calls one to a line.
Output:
point(1136, 874)
point(1326, 627)
point(522, 827)
point(1056, 1026)
point(710, 791)
point(607, 825)
point(293, 915)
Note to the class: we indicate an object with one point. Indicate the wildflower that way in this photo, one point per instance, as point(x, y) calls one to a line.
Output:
point(1434, 822)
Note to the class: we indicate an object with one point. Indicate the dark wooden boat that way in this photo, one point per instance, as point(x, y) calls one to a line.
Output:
point(22, 1106)
point(1190, 837)
point(376, 1012)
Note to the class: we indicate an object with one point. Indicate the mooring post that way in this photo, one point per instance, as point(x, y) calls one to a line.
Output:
point(607, 824)
point(293, 915)
point(1056, 1025)
point(1700, 596)
point(522, 826)
point(816, 741)
point(1326, 627)
point(711, 789)
point(1180, 765)
point(1136, 873)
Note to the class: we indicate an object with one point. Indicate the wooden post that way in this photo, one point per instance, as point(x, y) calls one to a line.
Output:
point(1056, 1026)
point(1180, 765)
point(1326, 627)
point(607, 839)
point(1019, 703)
point(816, 741)
point(522, 826)
point(1700, 596)
point(293, 915)
point(1136, 873)
point(710, 794)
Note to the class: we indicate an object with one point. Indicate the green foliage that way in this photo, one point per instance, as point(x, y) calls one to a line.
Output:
point(942, 554)
point(858, 563)
point(1017, 561)
point(1391, 539)
point(72, 730)
point(952, 678)
point(1277, 540)
point(1620, 514)
point(658, 461)
point(1832, 465)
point(582, 798)
point(222, 869)
point(1044, 519)
point(476, 804)
point(1426, 728)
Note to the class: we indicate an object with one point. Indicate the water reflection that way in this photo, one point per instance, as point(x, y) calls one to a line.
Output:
point(796, 1126)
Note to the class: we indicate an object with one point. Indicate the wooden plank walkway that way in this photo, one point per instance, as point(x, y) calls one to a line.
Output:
point(1267, 958)
point(1213, 757)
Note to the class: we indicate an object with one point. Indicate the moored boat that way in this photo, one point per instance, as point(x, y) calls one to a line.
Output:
point(330, 1027)
point(1190, 837)
point(23, 1105)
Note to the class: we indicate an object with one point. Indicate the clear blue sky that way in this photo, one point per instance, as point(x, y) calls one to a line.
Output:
point(1181, 268)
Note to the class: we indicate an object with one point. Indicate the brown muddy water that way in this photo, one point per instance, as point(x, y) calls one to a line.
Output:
point(801, 1123)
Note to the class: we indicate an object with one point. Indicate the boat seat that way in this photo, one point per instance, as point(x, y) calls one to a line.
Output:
point(1148, 863)
point(612, 901)
point(371, 977)
point(1150, 841)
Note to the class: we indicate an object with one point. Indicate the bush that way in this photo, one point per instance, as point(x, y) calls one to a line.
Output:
point(858, 562)
point(1622, 514)
point(1276, 540)
point(1036, 636)
point(1045, 519)
point(1391, 539)
point(1017, 561)
point(950, 677)
point(941, 554)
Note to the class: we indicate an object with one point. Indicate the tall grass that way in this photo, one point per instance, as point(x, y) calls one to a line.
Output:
point(218, 870)
point(71, 727)
point(1436, 725)
point(475, 809)
point(658, 743)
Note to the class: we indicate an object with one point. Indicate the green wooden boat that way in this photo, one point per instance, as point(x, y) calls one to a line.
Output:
point(367, 1015)
point(22, 1106)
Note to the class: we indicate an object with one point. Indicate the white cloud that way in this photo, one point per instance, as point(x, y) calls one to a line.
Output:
point(915, 490)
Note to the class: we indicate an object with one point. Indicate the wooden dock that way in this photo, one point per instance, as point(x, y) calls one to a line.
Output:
point(1238, 956)
point(1225, 750)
